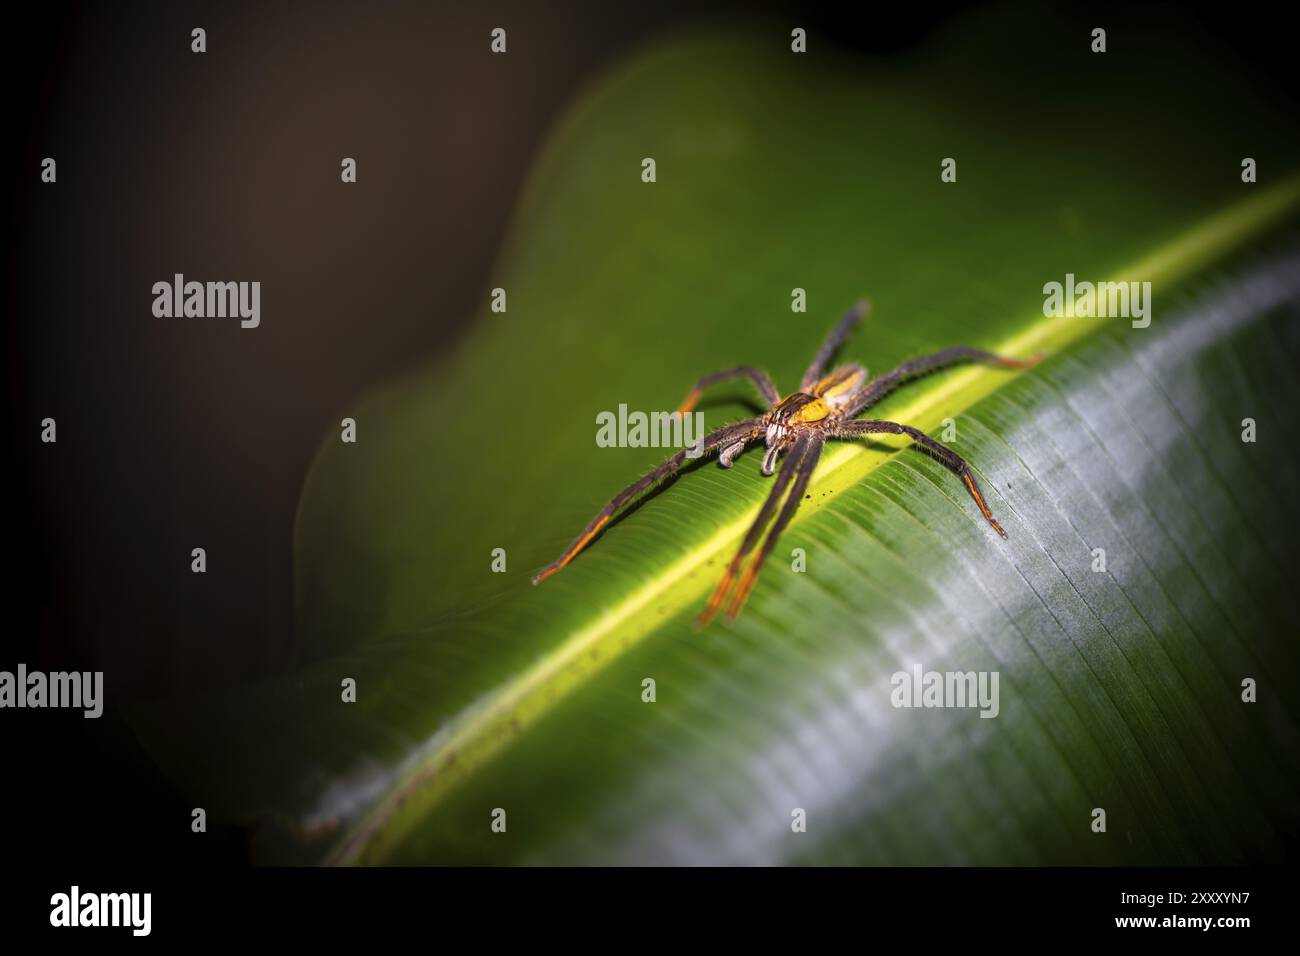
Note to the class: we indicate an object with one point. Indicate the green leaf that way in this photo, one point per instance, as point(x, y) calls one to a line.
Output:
point(1119, 689)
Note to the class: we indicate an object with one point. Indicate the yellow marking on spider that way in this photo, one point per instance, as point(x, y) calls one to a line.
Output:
point(842, 381)
point(814, 411)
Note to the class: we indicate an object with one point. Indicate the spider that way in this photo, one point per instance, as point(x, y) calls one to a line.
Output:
point(797, 427)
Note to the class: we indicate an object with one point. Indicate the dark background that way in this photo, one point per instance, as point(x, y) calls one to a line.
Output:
point(225, 166)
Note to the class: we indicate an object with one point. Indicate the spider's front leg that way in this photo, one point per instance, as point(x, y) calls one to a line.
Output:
point(859, 427)
point(726, 438)
point(833, 341)
point(790, 483)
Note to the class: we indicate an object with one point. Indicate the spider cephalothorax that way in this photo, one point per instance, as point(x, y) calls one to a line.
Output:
point(797, 427)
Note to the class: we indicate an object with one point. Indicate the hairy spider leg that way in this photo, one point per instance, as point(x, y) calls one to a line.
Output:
point(788, 468)
point(945, 454)
point(728, 434)
point(879, 387)
point(805, 467)
point(759, 377)
point(834, 341)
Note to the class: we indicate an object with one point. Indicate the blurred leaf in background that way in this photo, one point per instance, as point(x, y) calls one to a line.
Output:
point(1120, 688)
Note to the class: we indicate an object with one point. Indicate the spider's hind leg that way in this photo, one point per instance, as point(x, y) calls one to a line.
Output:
point(833, 341)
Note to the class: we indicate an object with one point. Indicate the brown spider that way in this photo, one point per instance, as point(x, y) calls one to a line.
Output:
point(798, 426)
